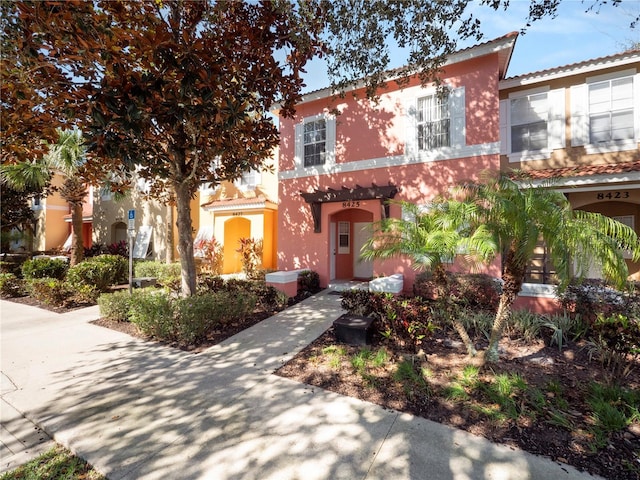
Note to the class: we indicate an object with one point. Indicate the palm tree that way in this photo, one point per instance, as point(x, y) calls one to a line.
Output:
point(65, 158)
point(422, 236)
point(503, 216)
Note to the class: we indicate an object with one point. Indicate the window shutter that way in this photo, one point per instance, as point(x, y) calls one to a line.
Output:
point(299, 147)
point(579, 115)
point(636, 102)
point(457, 115)
point(410, 128)
point(330, 146)
point(555, 126)
point(504, 130)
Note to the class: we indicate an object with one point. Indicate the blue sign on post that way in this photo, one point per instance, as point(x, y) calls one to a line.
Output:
point(132, 219)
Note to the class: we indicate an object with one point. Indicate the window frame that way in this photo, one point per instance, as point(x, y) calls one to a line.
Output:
point(330, 144)
point(344, 249)
point(434, 98)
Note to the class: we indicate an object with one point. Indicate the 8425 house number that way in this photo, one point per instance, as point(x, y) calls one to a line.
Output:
point(612, 195)
point(351, 204)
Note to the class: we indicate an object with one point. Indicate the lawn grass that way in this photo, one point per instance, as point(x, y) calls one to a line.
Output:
point(57, 463)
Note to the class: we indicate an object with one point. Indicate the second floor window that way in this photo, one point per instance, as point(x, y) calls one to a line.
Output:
point(529, 116)
point(611, 110)
point(433, 120)
point(315, 142)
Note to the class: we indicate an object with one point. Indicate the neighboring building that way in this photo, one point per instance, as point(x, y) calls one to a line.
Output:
point(244, 209)
point(53, 220)
point(579, 124)
point(155, 230)
point(338, 172)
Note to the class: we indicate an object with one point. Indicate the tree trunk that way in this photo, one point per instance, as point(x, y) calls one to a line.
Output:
point(513, 277)
point(185, 240)
point(77, 246)
point(169, 254)
point(450, 308)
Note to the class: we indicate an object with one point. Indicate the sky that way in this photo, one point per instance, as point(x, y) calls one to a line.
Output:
point(573, 36)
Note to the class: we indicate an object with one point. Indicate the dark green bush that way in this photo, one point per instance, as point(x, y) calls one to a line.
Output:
point(100, 272)
point(197, 315)
point(591, 298)
point(152, 311)
point(189, 320)
point(11, 286)
point(45, 268)
point(357, 302)
point(210, 283)
point(469, 290)
point(405, 321)
point(115, 306)
point(51, 291)
point(309, 281)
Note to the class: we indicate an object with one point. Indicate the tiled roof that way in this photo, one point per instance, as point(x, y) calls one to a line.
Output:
point(584, 170)
point(574, 66)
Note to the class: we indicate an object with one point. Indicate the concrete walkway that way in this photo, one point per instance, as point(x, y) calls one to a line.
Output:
point(137, 410)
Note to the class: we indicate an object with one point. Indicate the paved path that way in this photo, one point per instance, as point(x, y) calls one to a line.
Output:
point(137, 410)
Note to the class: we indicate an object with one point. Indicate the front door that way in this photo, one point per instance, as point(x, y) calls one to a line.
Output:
point(361, 233)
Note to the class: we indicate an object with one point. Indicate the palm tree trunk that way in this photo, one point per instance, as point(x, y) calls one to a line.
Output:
point(185, 240)
point(513, 277)
point(77, 246)
point(451, 310)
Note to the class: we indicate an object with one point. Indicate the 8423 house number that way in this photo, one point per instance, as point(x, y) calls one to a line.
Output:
point(612, 195)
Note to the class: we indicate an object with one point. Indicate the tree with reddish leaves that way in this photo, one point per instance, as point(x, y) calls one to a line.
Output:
point(177, 91)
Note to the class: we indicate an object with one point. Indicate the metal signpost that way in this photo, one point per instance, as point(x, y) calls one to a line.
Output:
point(131, 231)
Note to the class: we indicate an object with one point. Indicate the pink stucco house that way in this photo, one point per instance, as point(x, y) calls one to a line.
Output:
point(337, 172)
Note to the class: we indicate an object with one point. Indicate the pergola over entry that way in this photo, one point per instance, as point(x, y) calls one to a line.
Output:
point(374, 192)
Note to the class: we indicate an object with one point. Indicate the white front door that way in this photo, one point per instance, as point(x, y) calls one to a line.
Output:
point(361, 233)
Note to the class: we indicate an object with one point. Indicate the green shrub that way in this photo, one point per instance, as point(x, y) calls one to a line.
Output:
point(406, 321)
point(51, 291)
point(616, 343)
point(469, 290)
point(209, 283)
point(45, 268)
point(592, 297)
point(167, 274)
point(11, 286)
point(115, 306)
point(196, 316)
point(152, 311)
point(357, 302)
point(100, 272)
point(309, 281)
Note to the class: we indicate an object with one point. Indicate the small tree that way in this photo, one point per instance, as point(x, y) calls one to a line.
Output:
point(251, 256)
point(65, 158)
point(500, 216)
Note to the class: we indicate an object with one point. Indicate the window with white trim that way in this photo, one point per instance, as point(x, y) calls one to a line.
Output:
point(250, 180)
point(529, 115)
point(611, 110)
point(433, 121)
point(532, 123)
point(604, 112)
point(344, 237)
point(315, 142)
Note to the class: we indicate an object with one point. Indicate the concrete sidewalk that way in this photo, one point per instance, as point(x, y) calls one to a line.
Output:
point(137, 410)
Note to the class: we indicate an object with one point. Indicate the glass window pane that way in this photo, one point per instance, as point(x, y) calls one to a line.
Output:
point(622, 125)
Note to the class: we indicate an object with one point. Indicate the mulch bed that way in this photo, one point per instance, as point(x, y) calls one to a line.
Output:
point(535, 362)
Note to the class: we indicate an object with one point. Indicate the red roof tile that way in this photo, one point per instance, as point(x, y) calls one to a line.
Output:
point(585, 170)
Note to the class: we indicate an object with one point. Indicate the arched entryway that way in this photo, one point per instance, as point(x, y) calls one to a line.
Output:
point(118, 232)
point(234, 229)
point(348, 231)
